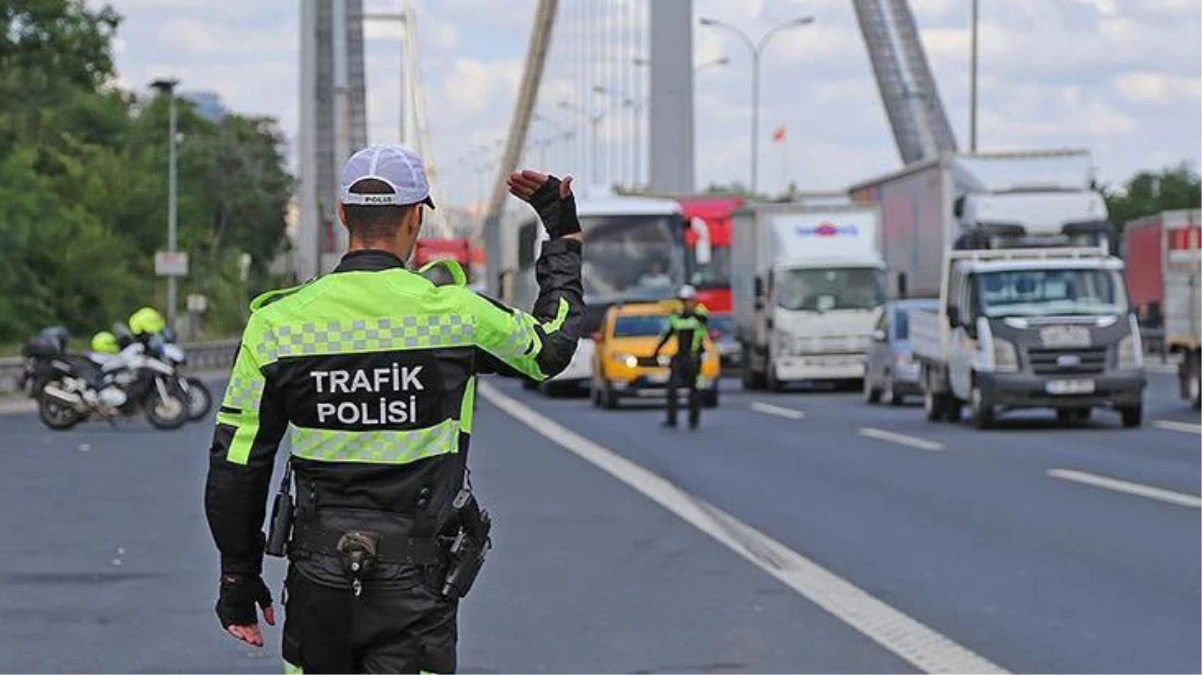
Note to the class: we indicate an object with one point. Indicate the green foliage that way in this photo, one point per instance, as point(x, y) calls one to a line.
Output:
point(83, 183)
point(1148, 192)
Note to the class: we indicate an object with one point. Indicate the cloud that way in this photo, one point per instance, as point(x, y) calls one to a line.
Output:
point(1154, 88)
point(1121, 78)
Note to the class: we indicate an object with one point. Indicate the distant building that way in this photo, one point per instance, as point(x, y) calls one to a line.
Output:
point(208, 104)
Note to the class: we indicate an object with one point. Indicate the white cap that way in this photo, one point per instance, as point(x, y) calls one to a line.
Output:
point(395, 165)
point(687, 293)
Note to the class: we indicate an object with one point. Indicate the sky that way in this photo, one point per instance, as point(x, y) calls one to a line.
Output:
point(1122, 78)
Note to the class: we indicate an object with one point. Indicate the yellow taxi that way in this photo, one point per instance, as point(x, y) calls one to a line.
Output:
point(624, 364)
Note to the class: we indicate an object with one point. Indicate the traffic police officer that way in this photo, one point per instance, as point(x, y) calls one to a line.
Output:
point(689, 326)
point(372, 371)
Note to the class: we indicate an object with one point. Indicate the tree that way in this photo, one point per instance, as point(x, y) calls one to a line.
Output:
point(1148, 192)
point(83, 182)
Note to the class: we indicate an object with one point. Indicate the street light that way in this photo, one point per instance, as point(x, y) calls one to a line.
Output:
point(972, 115)
point(638, 103)
point(757, 49)
point(635, 104)
point(166, 86)
point(594, 120)
point(720, 61)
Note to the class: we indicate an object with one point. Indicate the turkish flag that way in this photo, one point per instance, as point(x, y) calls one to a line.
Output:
point(780, 134)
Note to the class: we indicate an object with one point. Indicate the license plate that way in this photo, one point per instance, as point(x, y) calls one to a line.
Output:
point(1064, 387)
point(657, 378)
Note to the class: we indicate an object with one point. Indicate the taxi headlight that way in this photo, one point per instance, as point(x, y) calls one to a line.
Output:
point(628, 360)
point(664, 360)
point(1130, 355)
point(1005, 356)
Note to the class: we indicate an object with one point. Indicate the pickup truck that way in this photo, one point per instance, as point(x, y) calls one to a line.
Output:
point(1030, 328)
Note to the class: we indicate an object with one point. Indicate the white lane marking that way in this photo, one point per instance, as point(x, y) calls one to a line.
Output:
point(901, 439)
point(918, 644)
point(1183, 427)
point(769, 409)
point(1108, 483)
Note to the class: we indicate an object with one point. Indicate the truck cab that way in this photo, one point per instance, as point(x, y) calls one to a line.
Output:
point(1031, 328)
point(807, 283)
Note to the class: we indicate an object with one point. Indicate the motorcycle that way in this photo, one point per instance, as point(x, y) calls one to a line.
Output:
point(71, 388)
point(200, 401)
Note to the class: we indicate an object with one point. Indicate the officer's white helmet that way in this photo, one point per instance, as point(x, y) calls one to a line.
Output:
point(687, 293)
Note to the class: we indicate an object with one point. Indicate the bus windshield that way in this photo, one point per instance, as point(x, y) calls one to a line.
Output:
point(715, 274)
point(631, 257)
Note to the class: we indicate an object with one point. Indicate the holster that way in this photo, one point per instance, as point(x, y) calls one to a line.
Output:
point(311, 539)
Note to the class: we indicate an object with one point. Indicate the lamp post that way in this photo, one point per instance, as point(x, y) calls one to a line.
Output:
point(594, 121)
point(166, 86)
point(972, 107)
point(756, 49)
point(638, 104)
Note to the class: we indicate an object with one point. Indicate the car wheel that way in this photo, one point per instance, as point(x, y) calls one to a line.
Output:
point(1133, 416)
point(771, 382)
point(609, 398)
point(890, 395)
point(981, 409)
point(872, 395)
point(1194, 385)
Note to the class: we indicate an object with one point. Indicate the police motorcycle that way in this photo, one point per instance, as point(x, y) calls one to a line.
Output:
point(165, 347)
point(73, 388)
point(149, 328)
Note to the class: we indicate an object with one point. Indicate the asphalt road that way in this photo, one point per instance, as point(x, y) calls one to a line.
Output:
point(1016, 544)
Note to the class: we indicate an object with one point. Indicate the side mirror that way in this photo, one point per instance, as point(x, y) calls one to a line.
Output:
point(953, 316)
point(597, 336)
point(879, 335)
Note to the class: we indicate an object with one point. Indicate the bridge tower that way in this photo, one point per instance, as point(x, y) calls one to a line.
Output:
point(903, 76)
point(333, 121)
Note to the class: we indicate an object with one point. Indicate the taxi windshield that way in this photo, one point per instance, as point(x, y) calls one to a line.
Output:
point(639, 325)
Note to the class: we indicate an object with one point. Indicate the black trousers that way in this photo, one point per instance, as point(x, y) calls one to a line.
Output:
point(384, 630)
point(684, 375)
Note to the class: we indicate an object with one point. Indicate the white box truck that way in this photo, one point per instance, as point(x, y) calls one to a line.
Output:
point(806, 281)
point(928, 206)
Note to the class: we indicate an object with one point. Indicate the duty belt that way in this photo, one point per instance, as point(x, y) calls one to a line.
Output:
point(389, 549)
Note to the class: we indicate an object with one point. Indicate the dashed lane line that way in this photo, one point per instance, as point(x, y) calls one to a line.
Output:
point(902, 635)
point(778, 411)
point(1183, 427)
point(901, 439)
point(1127, 487)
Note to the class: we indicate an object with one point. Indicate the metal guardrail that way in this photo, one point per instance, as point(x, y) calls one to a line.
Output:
point(201, 356)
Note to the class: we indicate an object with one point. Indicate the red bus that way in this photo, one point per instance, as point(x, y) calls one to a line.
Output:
point(707, 260)
point(459, 250)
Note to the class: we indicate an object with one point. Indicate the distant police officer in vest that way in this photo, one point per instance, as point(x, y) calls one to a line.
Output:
point(371, 370)
point(689, 327)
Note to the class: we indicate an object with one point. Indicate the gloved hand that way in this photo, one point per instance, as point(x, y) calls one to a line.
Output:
point(236, 606)
point(550, 197)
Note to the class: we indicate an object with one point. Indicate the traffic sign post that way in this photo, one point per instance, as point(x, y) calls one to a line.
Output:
point(171, 263)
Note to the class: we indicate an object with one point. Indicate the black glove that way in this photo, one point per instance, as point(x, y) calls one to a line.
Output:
point(558, 215)
point(239, 595)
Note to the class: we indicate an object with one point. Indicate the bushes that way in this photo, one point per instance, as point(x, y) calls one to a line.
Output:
point(83, 184)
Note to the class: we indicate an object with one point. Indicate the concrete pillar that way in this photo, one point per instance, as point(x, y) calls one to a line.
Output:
point(671, 114)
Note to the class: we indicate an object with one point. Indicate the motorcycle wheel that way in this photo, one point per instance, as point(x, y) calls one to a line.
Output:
point(55, 415)
point(200, 401)
point(169, 412)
